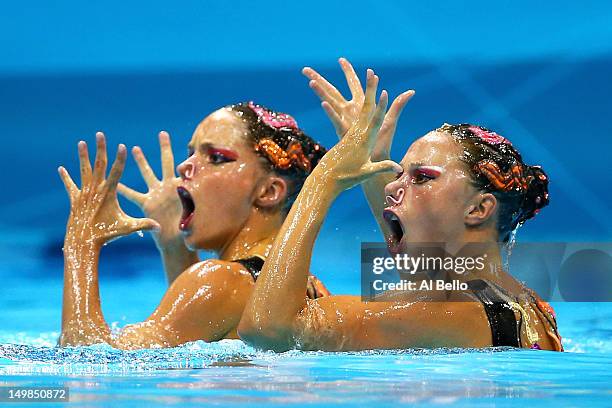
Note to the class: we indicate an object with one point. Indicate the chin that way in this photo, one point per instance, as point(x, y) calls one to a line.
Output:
point(192, 240)
point(189, 241)
point(191, 245)
point(194, 243)
point(206, 242)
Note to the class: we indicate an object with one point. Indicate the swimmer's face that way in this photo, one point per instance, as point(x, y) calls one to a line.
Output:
point(427, 203)
point(220, 178)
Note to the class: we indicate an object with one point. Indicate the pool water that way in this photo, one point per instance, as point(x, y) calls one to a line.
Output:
point(232, 373)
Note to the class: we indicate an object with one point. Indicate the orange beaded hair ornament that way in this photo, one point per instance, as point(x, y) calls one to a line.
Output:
point(514, 178)
point(281, 158)
point(497, 167)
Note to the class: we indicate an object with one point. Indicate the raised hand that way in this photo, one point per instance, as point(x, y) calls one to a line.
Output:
point(95, 214)
point(343, 113)
point(350, 161)
point(161, 202)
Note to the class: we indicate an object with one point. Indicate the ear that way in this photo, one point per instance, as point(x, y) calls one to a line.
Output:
point(481, 210)
point(271, 192)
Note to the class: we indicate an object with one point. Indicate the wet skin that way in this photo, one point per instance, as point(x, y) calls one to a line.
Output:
point(237, 214)
point(433, 195)
point(432, 199)
point(233, 193)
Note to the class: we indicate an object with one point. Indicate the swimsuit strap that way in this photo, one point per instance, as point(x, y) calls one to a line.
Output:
point(547, 315)
point(503, 322)
point(255, 263)
point(252, 264)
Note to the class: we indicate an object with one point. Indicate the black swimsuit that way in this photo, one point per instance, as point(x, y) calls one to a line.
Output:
point(253, 265)
point(504, 326)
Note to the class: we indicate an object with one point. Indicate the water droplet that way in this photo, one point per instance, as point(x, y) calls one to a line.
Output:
point(140, 233)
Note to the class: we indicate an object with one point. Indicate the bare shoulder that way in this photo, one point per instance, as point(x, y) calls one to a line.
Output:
point(215, 271)
point(204, 302)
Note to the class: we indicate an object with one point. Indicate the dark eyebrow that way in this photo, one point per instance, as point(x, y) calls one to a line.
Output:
point(211, 146)
point(205, 145)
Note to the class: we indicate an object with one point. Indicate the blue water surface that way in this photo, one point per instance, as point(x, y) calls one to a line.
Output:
point(232, 373)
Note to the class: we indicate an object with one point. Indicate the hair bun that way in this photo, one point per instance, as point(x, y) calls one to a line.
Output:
point(536, 196)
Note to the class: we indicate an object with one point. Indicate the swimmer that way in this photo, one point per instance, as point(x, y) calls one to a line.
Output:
point(245, 168)
point(456, 185)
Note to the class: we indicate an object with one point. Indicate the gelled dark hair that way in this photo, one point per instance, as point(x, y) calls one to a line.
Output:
point(288, 151)
point(498, 168)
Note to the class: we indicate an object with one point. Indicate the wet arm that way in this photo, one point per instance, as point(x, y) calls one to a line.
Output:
point(82, 319)
point(204, 303)
point(344, 323)
point(269, 318)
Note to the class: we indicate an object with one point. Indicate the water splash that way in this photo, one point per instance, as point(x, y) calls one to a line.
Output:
point(102, 358)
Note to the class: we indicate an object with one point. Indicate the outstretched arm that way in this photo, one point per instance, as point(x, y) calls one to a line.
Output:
point(161, 203)
point(271, 317)
point(343, 113)
point(190, 310)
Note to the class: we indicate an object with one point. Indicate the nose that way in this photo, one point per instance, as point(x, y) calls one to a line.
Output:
point(394, 193)
point(186, 169)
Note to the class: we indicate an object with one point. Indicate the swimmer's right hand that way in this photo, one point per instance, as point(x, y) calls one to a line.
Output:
point(161, 202)
point(95, 214)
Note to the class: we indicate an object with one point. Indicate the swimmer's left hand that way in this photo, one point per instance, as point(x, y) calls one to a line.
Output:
point(95, 214)
point(344, 113)
point(350, 161)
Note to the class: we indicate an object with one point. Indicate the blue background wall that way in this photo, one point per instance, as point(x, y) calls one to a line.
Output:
point(537, 73)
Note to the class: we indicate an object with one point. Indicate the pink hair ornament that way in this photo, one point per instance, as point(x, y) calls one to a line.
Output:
point(276, 120)
point(489, 137)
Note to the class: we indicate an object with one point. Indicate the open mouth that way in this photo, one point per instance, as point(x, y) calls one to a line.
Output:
point(188, 208)
point(397, 231)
